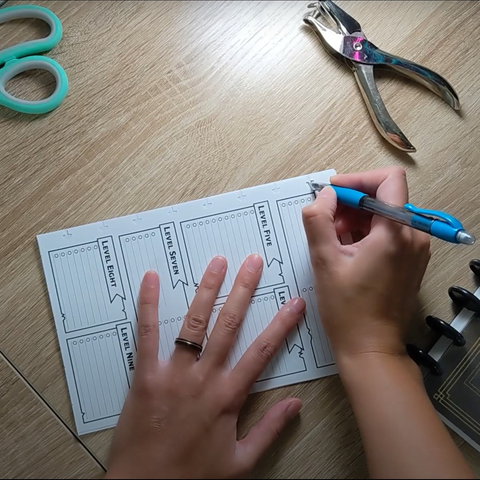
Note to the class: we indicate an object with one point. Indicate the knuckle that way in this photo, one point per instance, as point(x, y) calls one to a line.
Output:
point(276, 433)
point(210, 283)
point(423, 246)
point(157, 423)
point(390, 247)
point(319, 259)
point(266, 350)
point(424, 243)
point(247, 283)
point(311, 213)
point(398, 171)
point(226, 400)
point(196, 322)
point(230, 322)
point(144, 386)
point(284, 318)
point(145, 329)
point(405, 237)
point(145, 301)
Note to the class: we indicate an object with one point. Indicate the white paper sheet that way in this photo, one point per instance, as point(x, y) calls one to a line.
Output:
point(93, 274)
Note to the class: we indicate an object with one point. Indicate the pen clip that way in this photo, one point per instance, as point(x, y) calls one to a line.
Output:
point(435, 215)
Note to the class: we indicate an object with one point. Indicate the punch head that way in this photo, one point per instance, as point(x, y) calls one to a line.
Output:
point(347, 24)
point(465, 238)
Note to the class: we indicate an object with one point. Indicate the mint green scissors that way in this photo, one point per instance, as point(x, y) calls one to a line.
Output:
point(21, 58)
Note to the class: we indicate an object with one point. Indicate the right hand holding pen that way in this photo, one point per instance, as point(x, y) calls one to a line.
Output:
point(366, 290)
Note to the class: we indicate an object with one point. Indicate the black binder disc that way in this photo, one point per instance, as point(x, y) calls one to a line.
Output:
point(464, 299)
point(475, 267)
point(445, 329)
point(422, 358)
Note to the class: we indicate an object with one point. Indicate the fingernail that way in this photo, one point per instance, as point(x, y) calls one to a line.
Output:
point(294, 408)
point(150, 279)
point(217, 264)
point(297, 305)
point(254, 263)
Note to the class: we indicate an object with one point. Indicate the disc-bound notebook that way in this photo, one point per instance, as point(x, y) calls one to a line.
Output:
point(453, 382)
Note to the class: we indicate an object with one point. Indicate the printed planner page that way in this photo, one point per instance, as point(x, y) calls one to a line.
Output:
point(93, 274)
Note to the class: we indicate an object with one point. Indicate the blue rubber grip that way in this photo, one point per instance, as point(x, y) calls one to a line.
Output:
point(349, 197)
point(444, 231)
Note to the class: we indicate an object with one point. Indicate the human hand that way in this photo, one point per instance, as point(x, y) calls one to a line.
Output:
point(180, 417)
point(366, 290)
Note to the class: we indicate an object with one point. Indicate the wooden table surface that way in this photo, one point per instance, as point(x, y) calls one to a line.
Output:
point(172, 101)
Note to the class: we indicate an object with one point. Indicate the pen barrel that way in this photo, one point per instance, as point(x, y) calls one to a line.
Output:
point(395, 213)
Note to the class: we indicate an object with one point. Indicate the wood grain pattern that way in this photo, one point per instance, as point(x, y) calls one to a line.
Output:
point(33, 442)
point(172, 101)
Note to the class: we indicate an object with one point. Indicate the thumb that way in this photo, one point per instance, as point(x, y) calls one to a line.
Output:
point(319, 223)
point(266, 431)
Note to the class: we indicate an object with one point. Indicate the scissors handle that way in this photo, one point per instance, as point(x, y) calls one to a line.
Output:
point(21, 58)
point(35, 107)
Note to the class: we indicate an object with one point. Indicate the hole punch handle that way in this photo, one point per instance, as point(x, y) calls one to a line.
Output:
point(361, 50)
point(379, 113)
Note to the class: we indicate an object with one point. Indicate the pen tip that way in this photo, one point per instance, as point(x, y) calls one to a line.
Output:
point(465, 238)
point(316, 187)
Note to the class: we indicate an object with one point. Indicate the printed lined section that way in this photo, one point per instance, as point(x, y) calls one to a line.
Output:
point(235, 235)
point(88, 284)
point(149, 250)
point(290, 210)
point(94, 283)
point(101, 379)
point(263, 308)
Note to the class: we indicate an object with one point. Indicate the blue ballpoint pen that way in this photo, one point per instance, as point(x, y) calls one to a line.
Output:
point(436, 223)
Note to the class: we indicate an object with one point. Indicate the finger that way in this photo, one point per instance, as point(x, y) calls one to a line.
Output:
point(348, 220)
point(196, 321)
point(387, 184)
point(232, 313)
point(422, 242)
point(265, 432)
point(263, 349)
point(319, 223)
point(148, 336)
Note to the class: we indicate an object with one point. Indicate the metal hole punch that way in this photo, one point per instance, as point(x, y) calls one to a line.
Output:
point(347, 43)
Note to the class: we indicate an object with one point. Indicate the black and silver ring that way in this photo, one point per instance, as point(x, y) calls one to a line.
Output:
point(188, 343)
